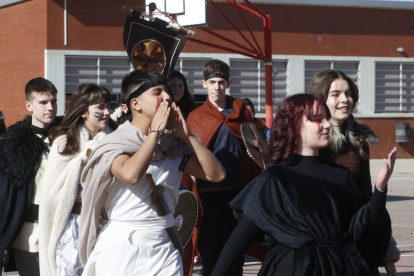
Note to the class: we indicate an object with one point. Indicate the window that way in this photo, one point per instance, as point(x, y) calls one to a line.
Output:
point(105, 71)
point(351, 69)
point(248, 81)
point(192, 69)
point(394, 87)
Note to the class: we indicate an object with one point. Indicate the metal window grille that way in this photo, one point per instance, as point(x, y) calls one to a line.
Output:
point(394, 87)
point(351, 69)
point(105, 71)
point(248, 81)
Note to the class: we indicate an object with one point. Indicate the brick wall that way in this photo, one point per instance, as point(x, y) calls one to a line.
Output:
point(318, 30)
point(92, 24)
point(385, 129)
point(22, 44)
point(296, 29)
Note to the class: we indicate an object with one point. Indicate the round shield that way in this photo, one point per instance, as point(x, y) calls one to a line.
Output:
point(186, 213)
point(148, 54)
point(255, 143)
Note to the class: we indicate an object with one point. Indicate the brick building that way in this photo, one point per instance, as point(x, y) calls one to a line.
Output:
point(70, 42)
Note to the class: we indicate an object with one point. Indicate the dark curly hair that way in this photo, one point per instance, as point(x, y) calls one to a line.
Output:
point(287, 124)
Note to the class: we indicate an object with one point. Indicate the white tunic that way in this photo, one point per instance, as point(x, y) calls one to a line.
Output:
point(135, 241)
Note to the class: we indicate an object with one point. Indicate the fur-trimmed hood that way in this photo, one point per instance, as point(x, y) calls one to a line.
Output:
point(20, 150)
point(353, 134)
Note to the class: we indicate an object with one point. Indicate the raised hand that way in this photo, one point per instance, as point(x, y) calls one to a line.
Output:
point(390, 268)
point(178, 125)
point(386, 171)
point(159, 122)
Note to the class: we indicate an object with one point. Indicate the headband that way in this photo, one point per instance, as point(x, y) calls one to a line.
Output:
point(212, 75)
point(144, 87)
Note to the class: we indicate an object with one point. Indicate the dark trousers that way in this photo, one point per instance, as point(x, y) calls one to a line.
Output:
point(216, 227)
point(27, 263)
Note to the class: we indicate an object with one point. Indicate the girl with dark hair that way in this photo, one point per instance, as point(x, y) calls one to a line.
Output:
point(307, 210)
point(85, 124)
point(180, 93)
point(349, 141)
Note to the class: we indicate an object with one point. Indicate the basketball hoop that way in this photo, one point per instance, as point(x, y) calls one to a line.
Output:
point(186, 13)
point(154, 14)
point(174, 26)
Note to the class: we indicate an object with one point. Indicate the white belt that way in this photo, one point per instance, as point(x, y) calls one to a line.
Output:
point(147, 224)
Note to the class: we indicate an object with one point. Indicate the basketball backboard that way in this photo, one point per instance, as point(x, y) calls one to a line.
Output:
point(190, 13)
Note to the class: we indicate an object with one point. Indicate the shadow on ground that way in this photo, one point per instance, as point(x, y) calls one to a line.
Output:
point(398, 198)
point(401, 274)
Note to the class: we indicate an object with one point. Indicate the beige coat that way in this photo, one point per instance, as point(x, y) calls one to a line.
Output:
point(59, 191)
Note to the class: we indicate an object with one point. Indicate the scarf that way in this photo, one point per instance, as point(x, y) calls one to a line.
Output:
point(96, 178)
point(358, 136)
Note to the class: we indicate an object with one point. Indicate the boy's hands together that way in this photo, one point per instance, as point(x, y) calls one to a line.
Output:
point(178, 125)
point(159, 122)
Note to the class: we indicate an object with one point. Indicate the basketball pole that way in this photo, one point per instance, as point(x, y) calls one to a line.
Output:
point(268, 71)
point(253, 53)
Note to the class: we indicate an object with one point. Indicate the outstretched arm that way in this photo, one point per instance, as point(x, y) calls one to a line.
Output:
point(203, 164)
point(378, 200)
point(131, 169)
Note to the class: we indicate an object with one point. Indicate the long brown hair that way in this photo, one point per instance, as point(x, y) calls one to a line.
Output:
point(84, 96)
point(321, 84)
point(186, 103)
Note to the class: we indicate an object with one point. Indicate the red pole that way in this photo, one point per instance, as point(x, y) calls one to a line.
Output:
point(268, 71)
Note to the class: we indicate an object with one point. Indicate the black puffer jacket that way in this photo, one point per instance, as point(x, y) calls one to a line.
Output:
point(20, 151)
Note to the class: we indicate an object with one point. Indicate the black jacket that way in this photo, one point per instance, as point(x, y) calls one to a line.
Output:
point(333, 228)
point(20, 151)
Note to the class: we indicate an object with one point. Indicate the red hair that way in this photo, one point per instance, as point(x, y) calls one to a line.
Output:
point(287, 124)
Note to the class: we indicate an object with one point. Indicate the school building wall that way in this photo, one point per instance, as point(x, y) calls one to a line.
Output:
point(35, 36)
point(296, 29)
point(23, 37)
point(385, 130)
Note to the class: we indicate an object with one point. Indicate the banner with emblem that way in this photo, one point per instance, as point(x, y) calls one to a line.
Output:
point(151, 45)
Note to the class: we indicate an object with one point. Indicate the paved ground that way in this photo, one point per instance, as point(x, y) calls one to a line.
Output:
point(400, 205)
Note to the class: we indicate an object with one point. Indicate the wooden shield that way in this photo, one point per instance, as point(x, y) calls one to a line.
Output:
point(185, 216)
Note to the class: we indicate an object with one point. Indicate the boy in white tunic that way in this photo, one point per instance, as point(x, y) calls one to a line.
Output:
point(133, 240)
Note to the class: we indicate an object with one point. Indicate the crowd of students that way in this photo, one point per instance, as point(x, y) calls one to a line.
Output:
point(75, 199)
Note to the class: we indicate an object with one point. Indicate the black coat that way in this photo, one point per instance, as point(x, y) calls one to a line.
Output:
point(20, 152)
point(329, 226)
